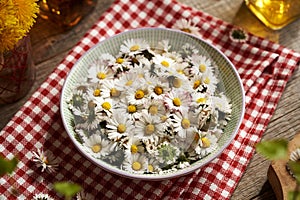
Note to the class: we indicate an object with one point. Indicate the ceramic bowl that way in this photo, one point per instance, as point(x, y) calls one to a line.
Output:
point(230, 84)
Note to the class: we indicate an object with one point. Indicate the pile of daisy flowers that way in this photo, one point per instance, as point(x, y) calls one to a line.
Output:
point(150, 110)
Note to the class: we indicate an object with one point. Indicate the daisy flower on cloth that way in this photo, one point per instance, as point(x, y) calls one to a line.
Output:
point(186, 25)
point(45, 160)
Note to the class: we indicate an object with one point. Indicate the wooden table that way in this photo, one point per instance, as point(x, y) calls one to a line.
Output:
point(51, 44)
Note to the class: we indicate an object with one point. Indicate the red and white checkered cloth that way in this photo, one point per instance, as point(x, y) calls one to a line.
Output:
point(264, 67)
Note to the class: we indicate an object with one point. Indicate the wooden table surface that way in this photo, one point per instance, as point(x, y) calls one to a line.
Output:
point(51, 44)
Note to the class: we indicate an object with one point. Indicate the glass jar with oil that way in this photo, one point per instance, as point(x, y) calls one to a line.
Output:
point(275, 14)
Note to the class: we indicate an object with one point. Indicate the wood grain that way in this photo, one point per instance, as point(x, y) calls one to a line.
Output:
point(51, 45)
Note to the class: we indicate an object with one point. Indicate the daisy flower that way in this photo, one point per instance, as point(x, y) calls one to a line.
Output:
point(94, 91)
point(200, 99)
point(200, 64)
point(133, 145)
point(167, 153)
point(126, 81)
point(105, 105)
point(148, 126)
point(133, 111)
point(150, 146)
point(134, 46)
point(121, 64)
point(155, 108)
point(137, 163)
point(187, 50)
point(162, 47)
point(178, 100)
point(138, 94)
point(158, 88)
point(99, 72)
point(186, 25)
point(109, 90)
point(42, 196)
point(222, 103)
point(97, 146)
point(163, 64)
point(45, 160)
point(89, 120)
point(181, 123)
point(180, 81)
point(119, 126)
point(153, 166)
point(78, 99)
point(207, 144)
point(142, 60)
point(210, 81)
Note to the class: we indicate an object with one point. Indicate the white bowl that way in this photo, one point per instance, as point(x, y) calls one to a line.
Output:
point(230, 83)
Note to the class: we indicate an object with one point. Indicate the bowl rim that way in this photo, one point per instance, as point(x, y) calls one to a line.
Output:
point(162, 176)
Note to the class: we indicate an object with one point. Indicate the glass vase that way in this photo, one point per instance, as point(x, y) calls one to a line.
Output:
point(17, 72)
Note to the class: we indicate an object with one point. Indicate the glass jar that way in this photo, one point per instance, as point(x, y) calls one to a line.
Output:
point(17, 72)
point(65, 13)
point(275, 14)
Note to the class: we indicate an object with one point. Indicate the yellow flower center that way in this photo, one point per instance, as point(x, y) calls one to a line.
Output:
point(177, 82)
point(121, 128)
point(185, 123)
point(129, 83)
point(114, 92)
point(119, 60)
point(201, 100)
point(206, 80)
point(97, 92)
point(101, 75)
point(196, 84)
point(136, 166)
point(131, 108)
point(150, 168)
point(176, 102)
point(202, 68)
point(135, 48)
point(186, 30)
point(139, 94)
point(205, 142)
point(106, 105)
point(96, 148)
point(158, 90)
point(134, 148)
point(45, 159)
point(165, 63)
point(163, 118)
point(149, 129)
point(180, 71)
point(153, 110)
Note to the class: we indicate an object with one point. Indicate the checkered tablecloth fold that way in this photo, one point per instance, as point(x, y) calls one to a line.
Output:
point(264, 67)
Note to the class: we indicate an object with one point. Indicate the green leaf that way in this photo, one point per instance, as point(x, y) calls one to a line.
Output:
point(293, 195)
point(273, 149)
point(7, 166)
point(295, 168)
point(67, 189)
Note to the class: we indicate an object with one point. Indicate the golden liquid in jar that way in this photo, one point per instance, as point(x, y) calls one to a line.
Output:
point(275, 14)
point(65, 13)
